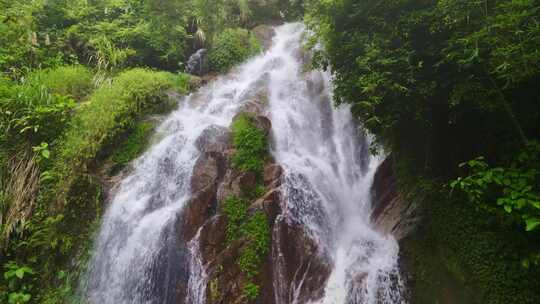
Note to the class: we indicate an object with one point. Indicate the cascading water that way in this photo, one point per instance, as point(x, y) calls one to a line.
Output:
point(328, 178)
point(138, 256)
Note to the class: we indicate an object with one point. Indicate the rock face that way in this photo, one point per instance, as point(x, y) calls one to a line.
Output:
point(197, 63)
point(213, 180)
point(264, 33)
point(392, 213)
point(304, 269)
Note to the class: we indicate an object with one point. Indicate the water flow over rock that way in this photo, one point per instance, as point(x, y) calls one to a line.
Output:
point(162, 239)
point(324, 245)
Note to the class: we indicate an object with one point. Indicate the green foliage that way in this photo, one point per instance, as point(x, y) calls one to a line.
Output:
point(463, 252)
point(110, 112)
point(33, 114)
point(134, 145)
point(438, 80)
point(18, 279)
point(73, 81)
point(513, 188)
point(236, 211)
point(112, 35)
point(251, 145)
point(251, 291)
point(256, 230)
point(438, 83)
point(231, 47)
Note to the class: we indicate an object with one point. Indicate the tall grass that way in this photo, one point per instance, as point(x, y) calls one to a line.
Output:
point(108, 114)
point(73, 81)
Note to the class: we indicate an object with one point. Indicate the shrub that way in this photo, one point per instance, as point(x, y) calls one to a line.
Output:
point(231, 47)
point(32, 114)
point(109, 113)
point(256, 230)
point(236, 211)
point(75, 81)
point(134, 145)
point(250, 143)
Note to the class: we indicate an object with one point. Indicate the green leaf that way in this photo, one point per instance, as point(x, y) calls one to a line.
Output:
point(532, 223)
point(20, 273)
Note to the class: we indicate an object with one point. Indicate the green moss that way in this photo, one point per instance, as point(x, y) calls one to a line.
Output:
point(250, 291)
point(236, 211)
point(110, 112)
point(134, 145)
point(251, 145)
point(256, 230)
point(231, 47)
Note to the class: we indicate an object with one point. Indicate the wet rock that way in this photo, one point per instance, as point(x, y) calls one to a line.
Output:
point(212, 239)
point(264, 33)
point(214, 139)
point(269, 204)
point(392, 212)
point(257, 92)
point(263, 123)
point(207, 173)
point(236, 184)
point(197, 210)
point(272, 175)
point(303, 268)
point(197, 63)
point(195, 82)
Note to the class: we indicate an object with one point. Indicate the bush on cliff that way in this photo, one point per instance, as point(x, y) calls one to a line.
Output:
point(231, 47)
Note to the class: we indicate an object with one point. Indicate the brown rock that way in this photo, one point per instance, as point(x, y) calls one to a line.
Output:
point(269, 204)
point(301, 259)
point(205, 173)
point(236, 184)
point(264, 33)
point(272, 175)
point(263, 123)
point(197, 210)
point(212, 239)
point(392, 213)
point(214, 139)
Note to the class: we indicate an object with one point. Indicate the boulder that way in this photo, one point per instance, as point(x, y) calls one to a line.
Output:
point(264, 33)
point(197, 63)
point(303, 269)
point(214, 139)
point(256, 94)
point(206, 175)
point(212, 238)
point(236, 184)
point(272, 175)
point(269, 204)
point(392, 212)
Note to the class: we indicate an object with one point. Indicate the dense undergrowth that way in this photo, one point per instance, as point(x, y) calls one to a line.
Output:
point(53, 145)
point(251, 152)
point(444, 83)
point(231, 47)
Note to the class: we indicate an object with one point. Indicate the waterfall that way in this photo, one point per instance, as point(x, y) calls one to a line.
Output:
point(328, 177)
point(138, 255)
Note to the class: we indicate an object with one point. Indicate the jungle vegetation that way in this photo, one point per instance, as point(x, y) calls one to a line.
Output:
point(450, 87)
